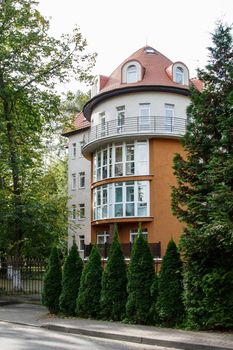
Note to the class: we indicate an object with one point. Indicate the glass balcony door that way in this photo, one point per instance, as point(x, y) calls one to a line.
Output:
point(144, 116)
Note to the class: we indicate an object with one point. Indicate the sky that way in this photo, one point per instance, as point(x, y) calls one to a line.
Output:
point(114, 29)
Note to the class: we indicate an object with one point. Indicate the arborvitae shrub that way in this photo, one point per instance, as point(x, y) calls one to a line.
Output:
point(72, 271)
point(154, 297)
point(52, 283)
point(170, 287)
point(88, 301)
point(114, 283)
point(140, 278)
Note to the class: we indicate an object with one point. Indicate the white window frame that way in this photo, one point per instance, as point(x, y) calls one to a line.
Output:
point(82, 177)
point(102, 124)
point(74, 150)
point(73, 212)
point(81, 145)
point(144, 119)
point(169, 116)
point(179, 75)
point(112, 204)
point(97, 166)
point(131, 74)
point(120, 117)
point(134, 233)
point(104, 235)
point(81, 211)
point(73, 181)
point(81, 243)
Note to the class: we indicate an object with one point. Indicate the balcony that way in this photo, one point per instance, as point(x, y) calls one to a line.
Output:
point(141, 126)
point(126, 249)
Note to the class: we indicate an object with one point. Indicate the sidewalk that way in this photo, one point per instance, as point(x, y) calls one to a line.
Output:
point(37, 315)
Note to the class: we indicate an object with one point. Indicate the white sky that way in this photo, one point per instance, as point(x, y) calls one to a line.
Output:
point(180, 29)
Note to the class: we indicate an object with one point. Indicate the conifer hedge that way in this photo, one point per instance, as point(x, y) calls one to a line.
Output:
point(52, 283)
point(88, 300)
point(114, 283)
point(170, 287)
point(72, 271)
point(140, 279)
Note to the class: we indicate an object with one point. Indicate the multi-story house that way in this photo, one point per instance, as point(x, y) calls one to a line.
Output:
point(130, 130)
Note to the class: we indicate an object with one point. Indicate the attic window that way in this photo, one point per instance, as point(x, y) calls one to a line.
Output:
point(179, 75)
point(149, 50)
point(131, 74)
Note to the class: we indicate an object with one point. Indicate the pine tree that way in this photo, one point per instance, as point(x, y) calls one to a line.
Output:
point(170, 288)
point(72, 271)
point(140, 278)
point(88, 301)
point(114, 283)
point(52, 283)
point(204, 197)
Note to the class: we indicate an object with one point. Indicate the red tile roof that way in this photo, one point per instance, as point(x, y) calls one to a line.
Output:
point(80, 123)
point(157, 70)
point(198, 84)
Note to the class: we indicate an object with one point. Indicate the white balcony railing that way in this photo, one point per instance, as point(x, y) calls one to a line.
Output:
point(151, 126)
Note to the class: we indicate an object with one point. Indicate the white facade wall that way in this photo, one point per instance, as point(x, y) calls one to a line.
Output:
point(79, 227)
point(131, 102)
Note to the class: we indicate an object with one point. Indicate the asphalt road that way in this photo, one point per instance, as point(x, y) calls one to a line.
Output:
point(17, 337)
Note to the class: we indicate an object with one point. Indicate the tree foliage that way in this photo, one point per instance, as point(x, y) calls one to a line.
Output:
point(170, 288)
point(52, 283)
point(204, 196)
point(114, 283)
point(140, 279)
point(31, 64)
point(72, 271)
point(154, 316)
point(88, 301)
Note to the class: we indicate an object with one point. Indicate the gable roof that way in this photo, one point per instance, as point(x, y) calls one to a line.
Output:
point(80, 123)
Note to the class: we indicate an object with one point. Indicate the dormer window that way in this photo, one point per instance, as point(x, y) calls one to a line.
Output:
point(131, 74)
point(179, 75)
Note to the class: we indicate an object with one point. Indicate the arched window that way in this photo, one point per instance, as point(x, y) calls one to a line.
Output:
point(179, 75)
point(131, 74)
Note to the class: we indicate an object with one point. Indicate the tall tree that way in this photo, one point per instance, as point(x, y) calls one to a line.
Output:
point(31, 64)
point(140, 279)
point(114, 283)
point(203, 199)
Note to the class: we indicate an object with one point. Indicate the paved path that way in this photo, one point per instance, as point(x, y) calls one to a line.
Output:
point(37, 315)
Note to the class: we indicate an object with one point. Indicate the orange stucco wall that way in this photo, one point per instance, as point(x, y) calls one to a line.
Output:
point(162, 224)
point(165, 225)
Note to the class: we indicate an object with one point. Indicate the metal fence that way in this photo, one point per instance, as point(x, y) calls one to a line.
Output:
point(21, 276)
point(155, 249)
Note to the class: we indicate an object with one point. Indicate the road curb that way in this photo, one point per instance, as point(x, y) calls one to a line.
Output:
point(132, 339)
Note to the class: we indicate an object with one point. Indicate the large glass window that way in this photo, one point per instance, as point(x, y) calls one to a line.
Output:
point(120, 118)
point(121, 199)
point(134, 234)
point(144, 116)
point(169, 116)
point(179, 75)
point(121, 159)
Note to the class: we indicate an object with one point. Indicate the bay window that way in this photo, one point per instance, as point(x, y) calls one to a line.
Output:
point(121, 199)
point(121, 159)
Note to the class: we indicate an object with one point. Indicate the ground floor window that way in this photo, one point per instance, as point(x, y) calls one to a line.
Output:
point(134, 234)
point(102, 237)
point(81, 243)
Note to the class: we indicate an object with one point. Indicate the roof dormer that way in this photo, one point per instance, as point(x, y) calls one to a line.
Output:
point(180, 73)
point(131, 72)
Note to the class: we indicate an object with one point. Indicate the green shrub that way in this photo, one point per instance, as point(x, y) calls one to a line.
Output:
point(88, 301)
point(140, 278)
point(170, 287)
point(72, 271)
point(52, 283)
point(114, 283)
point(154, 297)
